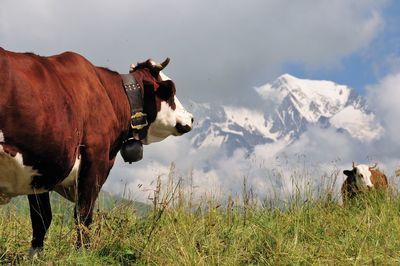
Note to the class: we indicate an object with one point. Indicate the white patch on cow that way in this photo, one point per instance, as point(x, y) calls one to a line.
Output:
point(67, 188)
point(183, 117)
point(363, 176)
point(1, 136)
point(166, 121)
point(72, 177)
point(15, 177)
point(163, 76)
point(163, 126)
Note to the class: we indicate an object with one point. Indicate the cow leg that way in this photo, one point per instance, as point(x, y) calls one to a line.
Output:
point(40, 211)
point(88, 192)
point(92, 176)
point(83, 214)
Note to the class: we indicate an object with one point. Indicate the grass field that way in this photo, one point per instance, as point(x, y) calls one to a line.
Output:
point(238, 231)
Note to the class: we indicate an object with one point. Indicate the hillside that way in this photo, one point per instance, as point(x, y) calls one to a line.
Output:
point(305, 231)
point(105, 202)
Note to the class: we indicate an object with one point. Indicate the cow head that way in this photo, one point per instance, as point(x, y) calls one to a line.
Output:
point(165, 114)
point(361, 175)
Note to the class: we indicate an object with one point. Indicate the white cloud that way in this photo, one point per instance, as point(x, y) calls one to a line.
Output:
point(135, 182)
point(384, 99)
point(360, 125)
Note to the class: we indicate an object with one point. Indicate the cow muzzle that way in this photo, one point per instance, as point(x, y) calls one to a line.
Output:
point(182, 129)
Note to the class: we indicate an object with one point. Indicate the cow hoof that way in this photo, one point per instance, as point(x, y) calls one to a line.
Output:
point(34, 252)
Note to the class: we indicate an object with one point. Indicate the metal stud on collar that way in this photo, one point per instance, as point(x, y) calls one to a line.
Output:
point(131, 86)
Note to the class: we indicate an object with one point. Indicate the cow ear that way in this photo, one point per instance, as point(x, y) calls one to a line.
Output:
point(165, 89)
point(348, 172)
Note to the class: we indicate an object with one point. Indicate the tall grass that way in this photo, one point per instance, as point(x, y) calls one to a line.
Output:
point(179, 230)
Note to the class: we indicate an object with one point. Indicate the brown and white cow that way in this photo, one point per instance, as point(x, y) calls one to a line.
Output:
point(63, 121)
point(362, 178)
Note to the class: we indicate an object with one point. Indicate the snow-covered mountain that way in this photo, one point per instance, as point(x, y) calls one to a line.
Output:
point(290, 106)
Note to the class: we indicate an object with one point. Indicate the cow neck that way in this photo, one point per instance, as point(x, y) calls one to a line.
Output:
point(133, 90)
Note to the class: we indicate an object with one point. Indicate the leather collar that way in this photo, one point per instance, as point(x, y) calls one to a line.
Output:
point(133, 90)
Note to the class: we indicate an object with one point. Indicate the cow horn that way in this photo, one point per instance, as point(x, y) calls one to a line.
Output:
point(132, 68)
point(354, 165)
point(161, 66)
point(374, 166)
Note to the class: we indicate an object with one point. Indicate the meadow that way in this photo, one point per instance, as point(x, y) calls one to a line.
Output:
point(176, 229)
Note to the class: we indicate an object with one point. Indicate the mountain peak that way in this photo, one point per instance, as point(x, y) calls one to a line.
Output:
point(311, 98)
point(287, 78)
point(291, 105)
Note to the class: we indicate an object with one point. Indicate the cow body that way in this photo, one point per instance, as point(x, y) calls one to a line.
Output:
point(360, 179)
point(62, 123)
point(47, 114)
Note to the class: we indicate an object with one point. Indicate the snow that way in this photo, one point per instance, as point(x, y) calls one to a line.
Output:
point(312, 98)
point(213, 139)
point(249, 119)
point(317, 89)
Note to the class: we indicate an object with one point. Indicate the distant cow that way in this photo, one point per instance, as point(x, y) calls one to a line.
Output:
point(63, 121)
point(362, 178)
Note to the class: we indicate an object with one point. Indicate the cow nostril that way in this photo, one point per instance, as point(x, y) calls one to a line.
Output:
point(192, 120)
point(183, 129)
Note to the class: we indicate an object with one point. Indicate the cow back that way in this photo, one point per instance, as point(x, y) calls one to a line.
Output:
point(378, 179)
